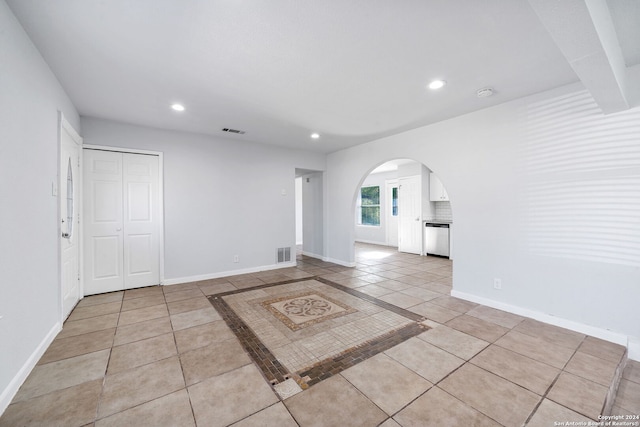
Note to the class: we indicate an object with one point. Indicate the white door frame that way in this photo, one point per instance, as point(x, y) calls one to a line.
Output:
point(160, 189)
point(64, 125)
point(388, 185)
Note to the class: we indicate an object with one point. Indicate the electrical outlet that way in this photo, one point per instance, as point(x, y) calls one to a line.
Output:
point(236, 258)
point(497, 283)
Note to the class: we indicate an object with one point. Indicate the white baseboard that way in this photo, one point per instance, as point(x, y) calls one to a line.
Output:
point(14, 385)
point(339, 262)
point(633, 346)
point(312, 255)
point(371, 242)
point(178, 280)
point(375, 242)
point(327, 259)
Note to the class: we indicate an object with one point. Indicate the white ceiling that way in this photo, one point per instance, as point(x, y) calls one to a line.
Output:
point(391, 165)
point(352, 71)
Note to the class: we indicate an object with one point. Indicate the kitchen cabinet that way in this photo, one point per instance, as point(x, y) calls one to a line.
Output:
point(437, 193)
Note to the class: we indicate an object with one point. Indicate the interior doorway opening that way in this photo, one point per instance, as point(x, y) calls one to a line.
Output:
point(396, 202)
point(309, 204)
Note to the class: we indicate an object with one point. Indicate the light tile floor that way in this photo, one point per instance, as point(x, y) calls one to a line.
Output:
point(162, 356)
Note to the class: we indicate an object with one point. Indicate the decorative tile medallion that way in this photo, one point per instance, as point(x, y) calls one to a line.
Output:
point(307, 330)
point(306, 309)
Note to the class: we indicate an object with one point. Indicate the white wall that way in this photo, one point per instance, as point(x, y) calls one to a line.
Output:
point(409, 169)
point(428, 207)
point(313, 214)
point(30, 98)
point(222, 197)
point(580, 260)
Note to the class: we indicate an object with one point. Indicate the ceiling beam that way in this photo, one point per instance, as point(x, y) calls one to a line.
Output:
point(585, 34)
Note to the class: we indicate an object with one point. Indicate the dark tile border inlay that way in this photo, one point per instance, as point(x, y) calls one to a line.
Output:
point(271, 368)
point(275, 372)
point(334, 365)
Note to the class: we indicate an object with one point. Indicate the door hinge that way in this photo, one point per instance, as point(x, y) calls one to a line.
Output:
point(78, 161)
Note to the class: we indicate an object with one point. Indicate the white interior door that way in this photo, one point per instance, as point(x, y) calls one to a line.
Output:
point(121, 242)
point(69, 194)
point(410, 215)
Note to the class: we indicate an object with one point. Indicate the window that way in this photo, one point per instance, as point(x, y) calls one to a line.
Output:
point(69, 217)
point(394, 201)
point(370, 205)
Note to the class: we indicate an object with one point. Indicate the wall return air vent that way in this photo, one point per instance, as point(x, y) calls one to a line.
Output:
point(283, 255)
point(239, 132)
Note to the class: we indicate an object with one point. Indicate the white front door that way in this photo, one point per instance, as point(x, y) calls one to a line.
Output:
point(69, 194)
point(410, 215)
point(121, 226)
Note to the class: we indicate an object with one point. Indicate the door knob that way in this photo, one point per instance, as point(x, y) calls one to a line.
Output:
point(118, 229)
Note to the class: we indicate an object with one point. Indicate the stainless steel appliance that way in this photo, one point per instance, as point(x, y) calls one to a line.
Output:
point(436, 239)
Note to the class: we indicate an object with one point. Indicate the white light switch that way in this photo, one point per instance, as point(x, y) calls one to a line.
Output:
point(283, 192)
point(54, 189)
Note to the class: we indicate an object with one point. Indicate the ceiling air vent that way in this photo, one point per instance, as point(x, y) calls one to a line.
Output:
point(239, 132)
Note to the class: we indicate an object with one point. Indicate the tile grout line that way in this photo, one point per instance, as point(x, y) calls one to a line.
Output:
point(178, 354)
point(380, 303)
point(106, 368)
point(434, 385)
point(155, 398)
point(386, 342)
point(234, 322)
point(469, 361)
point(553, 383)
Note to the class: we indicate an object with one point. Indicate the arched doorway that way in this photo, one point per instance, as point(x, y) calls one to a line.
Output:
point(395, 202)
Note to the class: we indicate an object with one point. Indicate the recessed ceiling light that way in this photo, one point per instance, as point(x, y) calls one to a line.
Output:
point(437, 84)
point(315, 135)
point(178, 107)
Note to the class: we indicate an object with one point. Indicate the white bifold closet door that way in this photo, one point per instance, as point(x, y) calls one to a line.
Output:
point(121, 221)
